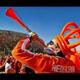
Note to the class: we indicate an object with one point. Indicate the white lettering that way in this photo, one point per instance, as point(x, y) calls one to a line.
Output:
point(63, 69)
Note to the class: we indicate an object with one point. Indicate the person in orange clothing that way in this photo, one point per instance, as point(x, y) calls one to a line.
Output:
point(76, 60)
point(43, 63)
point(1, 60)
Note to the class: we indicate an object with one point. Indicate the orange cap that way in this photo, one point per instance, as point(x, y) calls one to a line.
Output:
point(63, 39)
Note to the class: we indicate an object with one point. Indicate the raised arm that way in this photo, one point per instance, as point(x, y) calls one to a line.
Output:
point(38, 62)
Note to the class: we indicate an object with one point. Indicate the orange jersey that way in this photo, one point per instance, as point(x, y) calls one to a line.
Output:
point(76, 60)
point(2, 61)
point(42, 63)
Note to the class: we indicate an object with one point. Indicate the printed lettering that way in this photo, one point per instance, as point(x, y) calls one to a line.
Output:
point(63, 69)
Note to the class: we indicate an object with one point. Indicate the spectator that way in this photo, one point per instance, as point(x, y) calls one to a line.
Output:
point(43, 63)
point(7, 51)
point(26, 70)
point(8, 66)
point(2, 60)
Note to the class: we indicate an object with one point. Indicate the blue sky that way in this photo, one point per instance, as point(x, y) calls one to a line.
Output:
point(47, 22)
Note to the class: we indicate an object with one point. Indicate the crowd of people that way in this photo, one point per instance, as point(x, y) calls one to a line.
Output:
point(9, 65)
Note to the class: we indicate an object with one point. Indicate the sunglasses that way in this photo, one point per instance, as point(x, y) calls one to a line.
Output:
point(51, 43)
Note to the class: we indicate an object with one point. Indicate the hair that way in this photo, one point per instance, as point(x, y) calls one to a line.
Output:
point(8, 61)
point(60, 54)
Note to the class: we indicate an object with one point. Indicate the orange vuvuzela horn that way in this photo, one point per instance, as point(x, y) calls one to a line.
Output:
point(12, 14)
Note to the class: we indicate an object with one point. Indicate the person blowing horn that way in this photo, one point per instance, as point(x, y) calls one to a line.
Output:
point(53, 61)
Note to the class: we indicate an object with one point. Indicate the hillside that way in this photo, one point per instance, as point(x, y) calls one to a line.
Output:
point(8, 39)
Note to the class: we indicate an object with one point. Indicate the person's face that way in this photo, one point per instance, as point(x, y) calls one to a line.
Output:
point(51, 46)
point(54, 46)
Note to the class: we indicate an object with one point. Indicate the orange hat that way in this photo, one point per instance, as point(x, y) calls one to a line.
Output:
point(62, 40)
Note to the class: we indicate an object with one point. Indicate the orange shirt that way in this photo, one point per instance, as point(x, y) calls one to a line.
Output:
point(42, 63)
point(2, 61)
